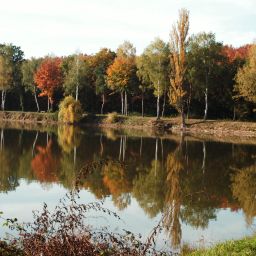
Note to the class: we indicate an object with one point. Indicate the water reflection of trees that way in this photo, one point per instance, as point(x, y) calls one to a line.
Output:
point(184, 180)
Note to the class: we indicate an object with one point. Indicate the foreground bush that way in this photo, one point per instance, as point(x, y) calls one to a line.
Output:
point(111, 118)
point(65, 232)
point(70, 111)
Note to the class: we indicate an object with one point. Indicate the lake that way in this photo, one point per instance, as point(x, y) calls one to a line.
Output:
point(203, 191)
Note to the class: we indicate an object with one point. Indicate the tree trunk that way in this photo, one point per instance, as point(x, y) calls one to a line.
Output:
point(206, 103)
point(142, 104)
point(77, 92)
point(234, 113)
point(122, 102)
point(48, 105)
point(21, 101)
point(163, 110)
point(37, 105)
point(125, 104)
point(3, 99)
point(158, 100)
point(103, 102)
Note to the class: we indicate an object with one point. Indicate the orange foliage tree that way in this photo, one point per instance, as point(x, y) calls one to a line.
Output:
point(49, 77)
point(233, 54)
point(45, 165)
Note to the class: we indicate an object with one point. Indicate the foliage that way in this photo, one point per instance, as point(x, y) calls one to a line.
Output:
point(6, 72)
point(111, 118)
point(178, 43)
point(246, 77)
point(70, 110)
point(76, 74)
point(48, 77)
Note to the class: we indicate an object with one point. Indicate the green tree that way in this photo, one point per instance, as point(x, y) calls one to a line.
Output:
point(29, 68)
point(100, 62)
point(76, 71)
point(6, 71)
point(154, 65)
point(178, 44)
point(14, 58)
point(204, 56)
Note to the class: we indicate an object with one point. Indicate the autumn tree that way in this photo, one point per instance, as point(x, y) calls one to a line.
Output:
point(153, 65)
point(121, 75)
point(49, 77)
point(178, 44)
point(246, 78)
point(29, 68)
point(100, 63)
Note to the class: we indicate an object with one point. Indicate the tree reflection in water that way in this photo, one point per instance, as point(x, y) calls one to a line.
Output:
point(185, 181)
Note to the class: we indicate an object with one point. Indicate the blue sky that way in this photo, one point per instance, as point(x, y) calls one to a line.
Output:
point(62, 27)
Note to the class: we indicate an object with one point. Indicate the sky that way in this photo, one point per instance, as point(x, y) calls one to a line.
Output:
point(63, 27)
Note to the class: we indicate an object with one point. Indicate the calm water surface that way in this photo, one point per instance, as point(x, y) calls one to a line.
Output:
point(205, 191)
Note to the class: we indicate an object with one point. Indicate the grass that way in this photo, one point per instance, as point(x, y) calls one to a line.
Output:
point(243, 247)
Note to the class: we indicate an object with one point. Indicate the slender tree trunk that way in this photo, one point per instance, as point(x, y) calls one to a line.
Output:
point(125, 104)
point(206, 103)
point(37, 105)
point(3, 99)
point(124, 147)
point(141, 145)
point(77, 92)
point(103, 102)
point(21, 101)
point(164, 101)
point(234, 113)
point(48, 105)
point(122, 102)
point(142, 104)
point(158, 100)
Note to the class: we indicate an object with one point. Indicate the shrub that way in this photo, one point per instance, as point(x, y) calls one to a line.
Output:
point(111, 118)
point(70, 110)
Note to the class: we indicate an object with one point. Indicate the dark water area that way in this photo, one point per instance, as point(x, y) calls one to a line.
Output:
point(204, 191)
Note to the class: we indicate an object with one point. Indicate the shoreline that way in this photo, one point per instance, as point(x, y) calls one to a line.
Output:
point(219, 129)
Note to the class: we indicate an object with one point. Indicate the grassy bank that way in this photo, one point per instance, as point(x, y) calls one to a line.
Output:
point(243, 247)
point(28, 117)
point(196, 127)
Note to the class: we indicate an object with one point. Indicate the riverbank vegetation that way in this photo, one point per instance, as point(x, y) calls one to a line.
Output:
point(196, 77)
point(243, 247)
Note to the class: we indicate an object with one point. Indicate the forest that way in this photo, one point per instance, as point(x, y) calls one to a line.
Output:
point(194, 75)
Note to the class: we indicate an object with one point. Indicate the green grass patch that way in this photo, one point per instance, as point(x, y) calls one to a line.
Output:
point(243, 247)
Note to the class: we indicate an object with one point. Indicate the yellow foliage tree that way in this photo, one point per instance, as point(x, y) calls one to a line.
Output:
point(70, 110)
point(178, 42)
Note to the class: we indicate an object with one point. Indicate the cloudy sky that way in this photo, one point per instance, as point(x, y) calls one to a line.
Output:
point(62, 27)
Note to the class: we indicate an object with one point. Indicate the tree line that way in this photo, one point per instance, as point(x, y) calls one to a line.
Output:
point(194, 76)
